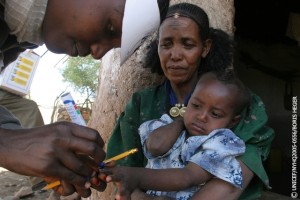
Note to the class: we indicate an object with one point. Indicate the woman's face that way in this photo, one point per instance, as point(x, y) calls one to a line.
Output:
point(83, 27)
point(180, 49)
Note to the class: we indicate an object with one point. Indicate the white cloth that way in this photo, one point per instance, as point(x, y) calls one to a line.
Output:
point(1, 62)
point(25, 18)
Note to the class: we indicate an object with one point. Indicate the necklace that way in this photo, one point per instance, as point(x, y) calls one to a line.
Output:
point(177, 109)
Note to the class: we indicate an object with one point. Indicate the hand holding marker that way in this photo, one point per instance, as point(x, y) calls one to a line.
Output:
point(102, 164)
point(77, 118)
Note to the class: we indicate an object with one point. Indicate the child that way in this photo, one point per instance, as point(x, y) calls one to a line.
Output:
point(205, 149)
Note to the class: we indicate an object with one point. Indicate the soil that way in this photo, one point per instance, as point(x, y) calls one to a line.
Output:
point(11, 183)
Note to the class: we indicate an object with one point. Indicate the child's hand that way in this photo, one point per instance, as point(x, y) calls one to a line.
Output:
point(122, 193)
point(125, 179)
point(98, 179)
point(97, 183)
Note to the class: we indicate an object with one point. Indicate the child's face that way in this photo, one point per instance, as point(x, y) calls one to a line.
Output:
point(210, 107)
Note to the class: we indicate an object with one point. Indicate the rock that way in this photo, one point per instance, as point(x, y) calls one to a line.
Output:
point(74, 196)
point(10, 198)
point(10, 184)
point(24, 192)
point(53, 196)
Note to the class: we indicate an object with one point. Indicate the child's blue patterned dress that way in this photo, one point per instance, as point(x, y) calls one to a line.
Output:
point(215, 153)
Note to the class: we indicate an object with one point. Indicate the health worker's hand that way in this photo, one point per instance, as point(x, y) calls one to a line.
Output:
point(52, 151)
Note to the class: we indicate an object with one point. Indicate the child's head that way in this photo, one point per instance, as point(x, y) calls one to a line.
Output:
point(217, 102)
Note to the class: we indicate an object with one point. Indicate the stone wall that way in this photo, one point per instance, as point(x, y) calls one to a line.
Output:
point(117, 83)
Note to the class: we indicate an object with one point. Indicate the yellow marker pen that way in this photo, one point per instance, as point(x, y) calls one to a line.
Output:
point(102, 164)
point(119, 157)
point(51, 185)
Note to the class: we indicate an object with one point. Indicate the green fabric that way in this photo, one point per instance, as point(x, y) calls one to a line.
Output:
point(258, 138)
point(25, 110)
point(151, 104)
point(7, 120)
point(145, 105)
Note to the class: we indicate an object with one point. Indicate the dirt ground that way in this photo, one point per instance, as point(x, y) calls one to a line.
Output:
point(11, 183)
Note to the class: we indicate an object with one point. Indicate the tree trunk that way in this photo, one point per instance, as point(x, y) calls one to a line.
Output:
point(117, 83)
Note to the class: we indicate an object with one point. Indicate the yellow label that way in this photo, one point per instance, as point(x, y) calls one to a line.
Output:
point(25, 68)
point(19, 81)
point(26, 61)
point(22, 74)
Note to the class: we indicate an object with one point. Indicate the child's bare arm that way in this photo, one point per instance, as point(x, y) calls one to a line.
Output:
point(130, 178)
point(161, 140)
point(217, 189)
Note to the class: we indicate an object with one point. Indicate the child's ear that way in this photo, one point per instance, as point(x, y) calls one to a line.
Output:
point(235, 121)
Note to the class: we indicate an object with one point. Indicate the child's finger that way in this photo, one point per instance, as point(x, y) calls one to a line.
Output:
point(102, 176)
point(94, 180)
point(108, 179)
point(122, 193)
point(101, 186)
point(111, 164)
